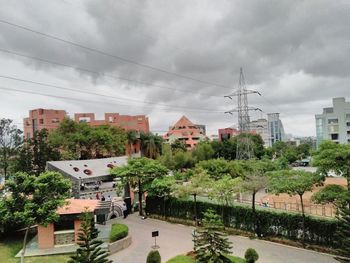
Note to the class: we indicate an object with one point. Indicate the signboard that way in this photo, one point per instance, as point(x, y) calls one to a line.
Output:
point(155, 233)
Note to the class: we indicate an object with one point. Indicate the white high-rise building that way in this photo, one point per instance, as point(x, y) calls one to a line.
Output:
point(260, 127)
point(334, 123)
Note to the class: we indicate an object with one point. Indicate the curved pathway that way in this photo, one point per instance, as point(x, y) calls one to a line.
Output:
point(175, 239)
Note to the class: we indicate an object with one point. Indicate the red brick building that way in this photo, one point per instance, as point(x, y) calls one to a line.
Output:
point(227, 133)
point(49, 119)
point(187, 132)
point(42, 119)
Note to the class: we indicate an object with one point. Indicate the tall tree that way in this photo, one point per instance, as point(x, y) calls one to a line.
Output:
point(199, 184)
point(210, 243)
point(343, 233)
point(151, 145)
point(89, 250)
point(132, 138)
point(140, 172)
point(294, 182)
point(217, 168)
point(332, 157)
point(34, 200)
point(10, 141)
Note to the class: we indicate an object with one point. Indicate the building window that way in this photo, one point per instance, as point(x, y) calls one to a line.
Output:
point(55, 120)
point(84, 119)
point(333, 128)
point(335, 136)
point(332, 121)
point(347, 115)
point(110, 118)
point(348, 123)
point(41, 121)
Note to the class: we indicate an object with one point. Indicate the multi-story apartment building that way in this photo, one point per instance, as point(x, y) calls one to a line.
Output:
point(227, 133)
point(137, 123)
point(275, 129)
point(42, 119)
point(184, 130)
point(334, 122)
point(49, 119)
point(260, 126)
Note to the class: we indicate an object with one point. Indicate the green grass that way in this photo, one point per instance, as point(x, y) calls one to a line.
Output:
point(9, 247)
point(187, 259)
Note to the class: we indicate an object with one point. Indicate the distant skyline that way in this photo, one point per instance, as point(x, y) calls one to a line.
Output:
point(295, 53)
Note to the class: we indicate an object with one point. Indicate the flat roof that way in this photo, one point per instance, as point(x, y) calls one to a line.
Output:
point(77, 206)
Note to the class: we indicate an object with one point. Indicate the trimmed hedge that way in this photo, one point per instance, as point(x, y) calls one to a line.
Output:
point(272, 223)
point(118, 232)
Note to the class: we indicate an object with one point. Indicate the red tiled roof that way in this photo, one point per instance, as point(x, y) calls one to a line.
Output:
point(77, 206)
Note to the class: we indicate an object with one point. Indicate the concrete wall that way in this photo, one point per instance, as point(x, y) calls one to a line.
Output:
point(77, 224)
point(119, 245)
point(46, 236)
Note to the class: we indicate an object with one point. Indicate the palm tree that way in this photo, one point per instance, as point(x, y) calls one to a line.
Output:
point(151, 145)
point(132, 137)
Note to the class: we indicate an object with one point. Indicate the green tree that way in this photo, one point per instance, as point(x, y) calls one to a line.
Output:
point(294, 182)
point(132, 138)
point(183, 160)
point(256, 142)
point(34, 200)
point(10, 141)
point(178, 145)
point(332, 157)
point(199, 184)
point(161, 187)
point(89, 250)
point(217, 168)
point(203, 151)
point(225, 149)
point(251, 256)
point(210, 243)
point(151, 145)
point(140, 172)
point(343, 233)
point(332, 193)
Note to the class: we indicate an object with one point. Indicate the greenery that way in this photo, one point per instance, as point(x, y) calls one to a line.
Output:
point(140, 172)
point(251, 256)
point(332, 193)
point(153, 257)
point(79, 140)
point(272, 223)
point(33, 201)
point(210, 244)
point(343, 232)
point(10, 142)
point(89, 250)
point(151, 145)
point(188, 259)
point(118, 231)
point(294, 182)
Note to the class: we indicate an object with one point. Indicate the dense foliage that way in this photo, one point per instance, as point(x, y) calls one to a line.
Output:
point(251, 256)
point(272, 223)
point(90, 250)
point(118, 231)
point(153, 257)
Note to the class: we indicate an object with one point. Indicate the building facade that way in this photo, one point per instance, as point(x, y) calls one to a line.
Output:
point(40, 119)
point(260, 126)
point(275, 129)
point(185, 131)
point(227, 133)
point(50, 119)
point(334, 122)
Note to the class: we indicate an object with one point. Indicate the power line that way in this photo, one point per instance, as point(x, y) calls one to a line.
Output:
point(93, 101)
point(101, 95)
point(104, 53)
point(103, 74)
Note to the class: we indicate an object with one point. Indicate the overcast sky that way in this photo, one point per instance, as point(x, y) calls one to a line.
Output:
point(295, 53)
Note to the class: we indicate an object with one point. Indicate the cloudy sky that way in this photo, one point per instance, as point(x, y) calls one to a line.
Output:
point(171, 58)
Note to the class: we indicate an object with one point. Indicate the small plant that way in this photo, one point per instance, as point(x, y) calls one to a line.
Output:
point(251, 256)
point(118, 231)
point(153, 257)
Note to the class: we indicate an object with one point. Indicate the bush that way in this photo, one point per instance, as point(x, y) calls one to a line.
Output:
point(153, 257)
point(118, 232)
point(251, 255)
point(272, 223)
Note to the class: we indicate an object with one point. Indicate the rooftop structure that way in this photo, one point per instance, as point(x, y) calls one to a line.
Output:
point(334, 122)
point(227, 133)
point(184, 130)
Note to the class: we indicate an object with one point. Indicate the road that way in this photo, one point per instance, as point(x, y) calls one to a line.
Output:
point(176, 239)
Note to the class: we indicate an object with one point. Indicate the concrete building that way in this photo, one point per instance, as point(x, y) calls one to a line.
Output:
point(137, 123)
point(275, 128)
point(184, 130)
point(42, 119)
point(227, 133)
point(260, 126)
point(334, 122)
point(50, 119)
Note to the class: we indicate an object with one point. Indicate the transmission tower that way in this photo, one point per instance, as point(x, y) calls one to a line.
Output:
point(244, 148)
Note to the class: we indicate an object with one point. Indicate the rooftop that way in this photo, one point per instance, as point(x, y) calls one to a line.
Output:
point(77, 206)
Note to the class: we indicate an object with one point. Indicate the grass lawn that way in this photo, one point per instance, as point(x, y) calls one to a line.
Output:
point(187, 259)
point(9, 247)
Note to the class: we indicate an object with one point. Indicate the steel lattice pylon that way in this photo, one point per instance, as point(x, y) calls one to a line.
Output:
point(244, 145)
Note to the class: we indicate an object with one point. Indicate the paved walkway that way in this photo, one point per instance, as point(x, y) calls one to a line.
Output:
point(176, 239)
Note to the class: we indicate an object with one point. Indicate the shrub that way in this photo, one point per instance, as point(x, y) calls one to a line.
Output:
point(118, 232)
point(251, 255)
point(153, 257)
point(272, 223)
